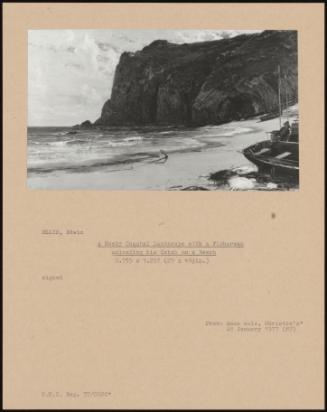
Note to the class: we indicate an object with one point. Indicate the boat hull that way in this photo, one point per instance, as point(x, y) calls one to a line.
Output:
point(268, 156)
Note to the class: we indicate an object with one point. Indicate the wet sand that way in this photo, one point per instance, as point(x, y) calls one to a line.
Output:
point(181, 171)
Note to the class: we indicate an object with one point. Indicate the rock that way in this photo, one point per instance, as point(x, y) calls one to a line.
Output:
point(195, 188)
point(221, 177)
point(202, 83)
point(86, 125)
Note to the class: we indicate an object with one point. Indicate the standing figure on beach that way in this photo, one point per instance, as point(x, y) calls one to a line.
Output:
point(164, 155)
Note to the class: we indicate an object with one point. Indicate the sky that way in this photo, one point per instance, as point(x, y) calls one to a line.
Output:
point(70, 72)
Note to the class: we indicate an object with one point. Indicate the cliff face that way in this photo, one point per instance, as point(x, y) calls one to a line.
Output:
point(203, 83)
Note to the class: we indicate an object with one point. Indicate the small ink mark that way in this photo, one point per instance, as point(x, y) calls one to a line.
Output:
point(273, 215)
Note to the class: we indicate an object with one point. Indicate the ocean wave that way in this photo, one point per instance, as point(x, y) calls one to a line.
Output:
point(90, 165)
point(190, 142)
point(128, 141)
point(36, 143)
point(167, 132)
point(133, 139)
point(64, 133)
point(77, 141)
point(61, 143)
point(237, 130)
point(121, 143)
point(89, 151)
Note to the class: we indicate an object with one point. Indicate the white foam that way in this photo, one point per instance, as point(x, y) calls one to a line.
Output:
point(241, 183)
point(133, 139)
point(272, 186)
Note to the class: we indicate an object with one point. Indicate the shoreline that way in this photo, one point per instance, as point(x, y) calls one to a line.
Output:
point(183, 170)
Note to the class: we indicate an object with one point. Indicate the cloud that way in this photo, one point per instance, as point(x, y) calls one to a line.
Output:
point(71, 49)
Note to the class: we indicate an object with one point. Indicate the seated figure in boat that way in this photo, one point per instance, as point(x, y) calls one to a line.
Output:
point(285, 131)
point(294, 135)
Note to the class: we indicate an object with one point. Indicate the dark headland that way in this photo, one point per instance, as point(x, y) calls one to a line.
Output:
point(196, 84)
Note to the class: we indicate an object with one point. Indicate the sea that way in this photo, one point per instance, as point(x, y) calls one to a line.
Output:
point(167, 158)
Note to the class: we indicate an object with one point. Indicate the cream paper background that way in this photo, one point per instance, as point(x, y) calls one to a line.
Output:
point(139, 331)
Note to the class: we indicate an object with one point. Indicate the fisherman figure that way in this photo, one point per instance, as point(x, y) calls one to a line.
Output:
point(164, 154)
point(285, 131)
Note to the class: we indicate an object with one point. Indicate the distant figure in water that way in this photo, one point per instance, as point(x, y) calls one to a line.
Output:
point(164, 155)
point(285, 131)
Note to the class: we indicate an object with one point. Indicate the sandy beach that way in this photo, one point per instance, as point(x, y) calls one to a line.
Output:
point(182, 170)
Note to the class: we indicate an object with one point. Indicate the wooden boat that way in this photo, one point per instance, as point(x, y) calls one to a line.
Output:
point(280, 154)
point(275, 157)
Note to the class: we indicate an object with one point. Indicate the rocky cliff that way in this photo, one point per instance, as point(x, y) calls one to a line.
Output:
point(203, 83)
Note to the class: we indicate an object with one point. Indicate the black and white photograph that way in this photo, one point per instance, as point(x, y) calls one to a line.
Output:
point(164, 231)
point(163, 110)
